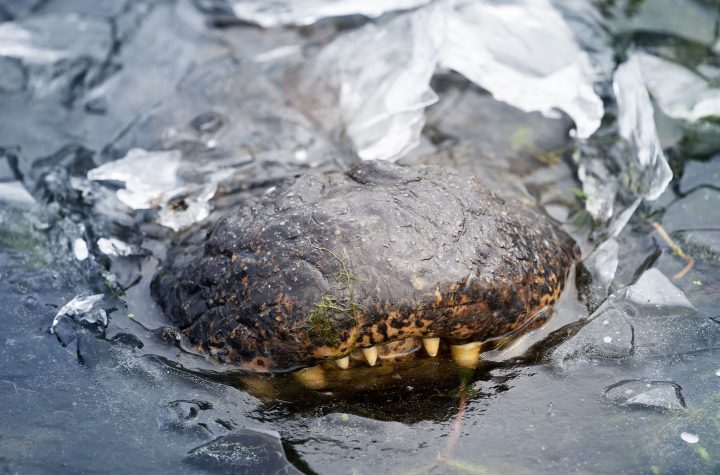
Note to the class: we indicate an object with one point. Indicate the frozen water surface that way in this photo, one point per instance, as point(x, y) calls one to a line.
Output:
point(124, 123)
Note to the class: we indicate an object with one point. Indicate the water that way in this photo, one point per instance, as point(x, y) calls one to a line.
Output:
point(623, 379)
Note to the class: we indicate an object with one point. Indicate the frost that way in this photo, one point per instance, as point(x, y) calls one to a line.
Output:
point(270, 14)
point(83, 308)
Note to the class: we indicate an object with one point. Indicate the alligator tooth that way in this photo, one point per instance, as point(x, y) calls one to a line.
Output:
point(467, 355)
point(343, 363)
point(370, 355)
point(431, 345)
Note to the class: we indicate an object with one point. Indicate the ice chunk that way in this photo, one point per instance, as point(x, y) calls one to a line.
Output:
point(190, 211)
point(83, 308)
point(378, 78)
point(47, 39)
point(590, 342)
point(115, 247)
point(14, 192)
point(649, 319)
point(664, 395)
point(375, 80)
point(525, 54)
point(680, 92)
point(654, 289)
point(270, 14)
point(697, 173)
point(600, 267)
point(694, 219)
point(244, 451)
point(150, 177)
point(80, 249)
point(647, 166)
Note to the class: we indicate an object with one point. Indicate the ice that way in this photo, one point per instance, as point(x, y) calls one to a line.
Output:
point(378, 78)
point(680, 92)
point(600, 266)
point(80, 249)
point(694, 220)
point(150, 177)
point(696, 173)
point(115, 247)
point(59, 49)
point(663, 395)
point(83, 308)
point(649, 319)
point(15, 193)
point(654, 289)
point(274, 13)
point(525, 54)
point(244, 451)
point(647, 166)
point(374, 81)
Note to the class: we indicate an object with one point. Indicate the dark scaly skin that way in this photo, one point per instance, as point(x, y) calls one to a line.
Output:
point(397, 253)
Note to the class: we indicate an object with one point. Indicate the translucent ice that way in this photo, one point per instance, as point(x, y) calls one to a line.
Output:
point(83, 308)
point(374, 81)
point(663, 395)
point(649, 319)
point(646, 165)
point(114, 247)
point(680, 92)
point(379, 82)
point(47, 39)
point(269, 14)
point(653, 288)
point(150, 177)
point(525, 54)
point(600, 266)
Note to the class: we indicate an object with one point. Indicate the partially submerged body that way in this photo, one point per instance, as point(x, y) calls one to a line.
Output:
point(370, 263)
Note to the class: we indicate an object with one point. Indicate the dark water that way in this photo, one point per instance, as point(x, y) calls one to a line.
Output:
point(157, 75)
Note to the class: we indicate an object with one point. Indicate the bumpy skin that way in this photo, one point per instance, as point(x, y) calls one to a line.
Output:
point(328, 263)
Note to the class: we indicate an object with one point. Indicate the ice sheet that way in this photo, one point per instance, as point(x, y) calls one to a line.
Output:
point(379, 82)
point(525, 54)
point(647, 166)
point(274, 13)
point(375, 80)
point(680, 92)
